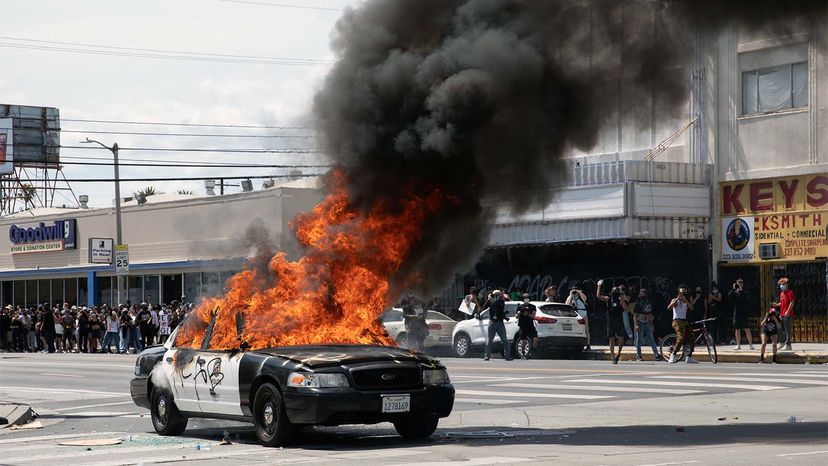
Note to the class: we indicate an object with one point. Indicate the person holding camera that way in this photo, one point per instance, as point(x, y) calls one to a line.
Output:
point(616, 332)
point(497, 326)
point(712, 310)
point(770, 329)
point(578, 299)
point(525, 313)
point(740, 298)
point(680, 306)
point(643, 318)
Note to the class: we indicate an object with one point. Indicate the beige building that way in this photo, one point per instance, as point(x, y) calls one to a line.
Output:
point(178, 245)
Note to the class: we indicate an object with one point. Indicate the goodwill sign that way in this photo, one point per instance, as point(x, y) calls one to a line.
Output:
point(43, 237)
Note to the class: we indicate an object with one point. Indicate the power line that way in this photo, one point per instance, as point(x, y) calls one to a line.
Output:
point(282, 5)
point(159, 123)
point(192, 165)
point(188, 178)
point(127, 159)
point(164, 55)
point(144, 133)
point(218, 150)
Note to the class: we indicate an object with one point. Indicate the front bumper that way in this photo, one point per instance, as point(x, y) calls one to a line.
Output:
point(138, 391)
point(350, 406)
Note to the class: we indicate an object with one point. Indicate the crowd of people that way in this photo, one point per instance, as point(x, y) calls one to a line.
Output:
point(65, 328)
point(633, 319)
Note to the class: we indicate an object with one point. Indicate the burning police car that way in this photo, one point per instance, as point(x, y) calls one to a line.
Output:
point(280, 389)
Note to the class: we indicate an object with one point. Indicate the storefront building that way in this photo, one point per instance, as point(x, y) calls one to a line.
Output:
point(178, 245)
point(777, 227)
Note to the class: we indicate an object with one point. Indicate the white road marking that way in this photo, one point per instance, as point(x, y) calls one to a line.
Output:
point(62, 390)
point(473, 461)
point(93, 406)
point(24, 364)
point(740, 379)
point(678, 383)
point(63, 375)
point(41, 438)
point(494, 379)
point(665, 391)
point(496, 394)
point(814, 373)
point(485, 401)
point(821, 452)
point(101, 414)
point(671, 463)
point(779, 375)
point(55, 453)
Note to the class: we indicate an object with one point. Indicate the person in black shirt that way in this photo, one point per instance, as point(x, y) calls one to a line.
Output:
point(497, 325)
point(526, 323)
point(740, 298)
point(713, 310)
point(770, 331)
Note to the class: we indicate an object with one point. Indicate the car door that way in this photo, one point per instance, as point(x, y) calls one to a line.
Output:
point(215, 378)
point(179, 366)
point(511, 324)
point(480, 329)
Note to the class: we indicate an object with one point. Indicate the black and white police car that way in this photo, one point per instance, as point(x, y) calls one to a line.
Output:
point(283, 388)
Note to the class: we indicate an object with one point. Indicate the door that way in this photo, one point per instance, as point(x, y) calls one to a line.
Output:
point(216, 382)
point(180, 364)
point(480, 329)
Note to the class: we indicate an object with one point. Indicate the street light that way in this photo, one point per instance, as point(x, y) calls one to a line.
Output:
point(118, 235)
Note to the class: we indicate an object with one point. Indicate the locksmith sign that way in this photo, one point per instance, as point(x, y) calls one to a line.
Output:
point(43, 237)
point(790, 213)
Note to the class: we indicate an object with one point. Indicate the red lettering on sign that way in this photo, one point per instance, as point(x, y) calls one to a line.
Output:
point(818, 191)
point(788, 191)
point(804, 218)
point(760, 192)
point(817, 220)
point(786, 221)
point(730, 199)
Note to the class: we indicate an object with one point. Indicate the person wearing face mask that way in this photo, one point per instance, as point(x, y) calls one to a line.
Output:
point(681, 306)
point(616, 308)
point(740, 298)
point(713, 310)
point(787, 299)
point(525, 313)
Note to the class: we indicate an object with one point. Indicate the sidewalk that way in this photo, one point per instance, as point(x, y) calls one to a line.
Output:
point(803, 353)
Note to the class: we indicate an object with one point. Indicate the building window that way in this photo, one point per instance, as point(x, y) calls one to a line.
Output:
point(775, 88)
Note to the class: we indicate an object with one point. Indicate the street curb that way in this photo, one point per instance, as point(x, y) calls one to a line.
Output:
point(747, 356)
point(16, 414)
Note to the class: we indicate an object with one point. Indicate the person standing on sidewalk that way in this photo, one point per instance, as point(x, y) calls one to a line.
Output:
point(552, 295)
point(578, 299)
point(643, 319)
point(713, 311)
point(497, 325)
point(680, 306)
point(787, 299)
point(616, 333)
point(740, 298)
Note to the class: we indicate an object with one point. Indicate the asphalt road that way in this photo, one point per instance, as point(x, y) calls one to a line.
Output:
point(549, 411)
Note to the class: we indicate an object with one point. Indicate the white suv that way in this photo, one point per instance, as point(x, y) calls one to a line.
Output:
point(558, 325)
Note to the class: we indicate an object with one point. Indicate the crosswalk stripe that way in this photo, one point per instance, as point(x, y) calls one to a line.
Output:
point(664, 391)
point(101, 414)
point(496, 394)
point(740, 379)
point(200, 456)
point(55, 453)
point(492, 379)
point(813, 373)
point(485, 401)
point(676, 383)
point(72, 408)
point(62, 390)
point(41, 438)
point(473, 461)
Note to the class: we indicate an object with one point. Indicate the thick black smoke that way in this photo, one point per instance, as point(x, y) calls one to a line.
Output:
point(481, 98)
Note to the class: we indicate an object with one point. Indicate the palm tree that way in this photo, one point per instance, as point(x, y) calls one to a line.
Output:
point(27, 193)
point(146, 192)
point(186, 192)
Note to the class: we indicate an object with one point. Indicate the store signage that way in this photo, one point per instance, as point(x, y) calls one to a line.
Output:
point(122, 259)
point(801, 236)
point(792, 193)
point(100, 250)
point(43, 237)
point(6, 146)
point(737, 239)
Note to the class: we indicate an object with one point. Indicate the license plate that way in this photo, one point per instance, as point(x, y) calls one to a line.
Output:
point(396, 404)
point(445, 338)
point(567, 327)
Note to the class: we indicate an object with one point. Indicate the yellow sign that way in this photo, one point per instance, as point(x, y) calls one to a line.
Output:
point(790, 213)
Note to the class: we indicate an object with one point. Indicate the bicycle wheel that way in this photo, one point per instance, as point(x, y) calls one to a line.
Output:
point(711, 349)
point(666, 348)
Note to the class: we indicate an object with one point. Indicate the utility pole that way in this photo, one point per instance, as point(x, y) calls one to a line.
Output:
point(118, 232)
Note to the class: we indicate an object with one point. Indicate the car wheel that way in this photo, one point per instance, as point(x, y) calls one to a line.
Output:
point(166, 418)
point(462, 346)
point(416, 428)
point(270, 421)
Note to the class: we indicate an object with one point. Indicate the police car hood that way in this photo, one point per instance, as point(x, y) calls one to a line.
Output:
point(335, 355)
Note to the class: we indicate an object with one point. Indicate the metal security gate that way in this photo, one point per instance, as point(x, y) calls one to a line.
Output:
point(808, 281)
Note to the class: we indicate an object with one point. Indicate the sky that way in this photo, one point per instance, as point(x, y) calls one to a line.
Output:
point(128, 88)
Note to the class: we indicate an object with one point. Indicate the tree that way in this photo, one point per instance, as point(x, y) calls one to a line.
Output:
point(146, 192)
point(185, 192)
point(27, 194)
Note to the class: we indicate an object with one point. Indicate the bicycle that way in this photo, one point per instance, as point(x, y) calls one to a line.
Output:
point(704, 338)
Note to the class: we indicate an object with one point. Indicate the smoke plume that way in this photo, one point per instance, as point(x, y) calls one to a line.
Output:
point(481, 99)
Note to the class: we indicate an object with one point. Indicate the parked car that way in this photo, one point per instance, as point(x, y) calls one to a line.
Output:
point(440, 327)
point(559, 327)
point(283, 388)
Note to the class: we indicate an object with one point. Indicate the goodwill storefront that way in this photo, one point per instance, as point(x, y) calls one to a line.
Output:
point(175, 245)
point(777, 227)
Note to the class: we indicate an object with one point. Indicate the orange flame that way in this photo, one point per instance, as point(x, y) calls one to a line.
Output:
point(334, 293)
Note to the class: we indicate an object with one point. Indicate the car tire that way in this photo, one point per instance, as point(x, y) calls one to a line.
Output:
point(270, 421)
point(416, 428)
point(166, 418)
point(462, 346)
